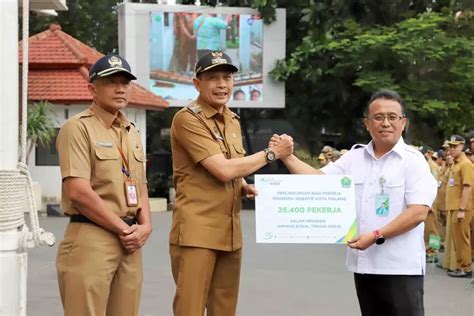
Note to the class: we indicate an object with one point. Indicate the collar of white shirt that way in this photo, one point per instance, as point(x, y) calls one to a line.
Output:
point(399, 149)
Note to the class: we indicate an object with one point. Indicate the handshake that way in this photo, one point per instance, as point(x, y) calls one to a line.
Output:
point(282, 146)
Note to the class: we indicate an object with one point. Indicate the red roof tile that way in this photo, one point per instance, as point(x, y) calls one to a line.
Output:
point(58, 71)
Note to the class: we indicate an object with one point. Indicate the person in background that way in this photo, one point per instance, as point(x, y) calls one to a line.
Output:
point(255, 95)
point(207, 29)
point(459, 203)
point(239, 95)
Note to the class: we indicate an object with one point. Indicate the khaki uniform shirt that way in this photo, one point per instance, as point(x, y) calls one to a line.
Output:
point(434, 168)
point(207, 211)
point(462, 173)
point(440, 202)
point(87, 149)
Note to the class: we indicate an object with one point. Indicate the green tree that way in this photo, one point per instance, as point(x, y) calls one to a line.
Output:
point(92, 22)
point(345, 55)
point(40, 126)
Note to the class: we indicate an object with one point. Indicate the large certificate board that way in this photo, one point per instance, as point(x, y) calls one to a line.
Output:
point(305, 209)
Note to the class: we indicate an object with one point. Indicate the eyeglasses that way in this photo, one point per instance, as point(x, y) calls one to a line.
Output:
point(392, 117)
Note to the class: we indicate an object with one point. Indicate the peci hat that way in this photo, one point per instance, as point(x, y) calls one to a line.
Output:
point(426, 149)
point(212, 60)
point(456, 140)
point(109, 65)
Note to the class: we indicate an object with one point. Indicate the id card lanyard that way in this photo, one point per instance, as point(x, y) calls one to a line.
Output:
point(131, 190)
point(382, 200)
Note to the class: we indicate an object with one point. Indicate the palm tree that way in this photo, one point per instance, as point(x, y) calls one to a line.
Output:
point(40, 126)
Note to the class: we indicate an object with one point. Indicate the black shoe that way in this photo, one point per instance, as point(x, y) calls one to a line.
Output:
point(431, 259)
point(460, 274)
point(440, 265)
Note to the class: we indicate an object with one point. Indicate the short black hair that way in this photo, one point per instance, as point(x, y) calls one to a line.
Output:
point(388, 95)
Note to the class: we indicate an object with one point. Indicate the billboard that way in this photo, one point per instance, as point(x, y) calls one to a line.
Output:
point(163, 42)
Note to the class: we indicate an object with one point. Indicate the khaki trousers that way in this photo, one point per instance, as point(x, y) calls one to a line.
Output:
point(441, 216)
point(430, 226)
point(96, 276)
point(462, 240)
point(450, 261)
point(205, 279)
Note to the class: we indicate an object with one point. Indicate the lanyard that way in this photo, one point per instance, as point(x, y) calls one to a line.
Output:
point(125, 166)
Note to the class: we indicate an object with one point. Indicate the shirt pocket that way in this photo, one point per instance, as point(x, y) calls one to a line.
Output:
point(396, 191)
point(238, 150)
point(107, 163)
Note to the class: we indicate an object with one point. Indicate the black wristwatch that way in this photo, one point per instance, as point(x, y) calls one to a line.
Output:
point(379, 238)
point(269, 155)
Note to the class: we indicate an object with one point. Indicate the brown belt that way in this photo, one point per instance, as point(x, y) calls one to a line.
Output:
point(79, 218)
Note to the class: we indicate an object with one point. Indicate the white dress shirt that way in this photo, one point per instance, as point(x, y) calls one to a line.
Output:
point(407, 180)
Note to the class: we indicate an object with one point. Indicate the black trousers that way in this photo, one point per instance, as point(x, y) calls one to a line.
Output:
point(390, 295)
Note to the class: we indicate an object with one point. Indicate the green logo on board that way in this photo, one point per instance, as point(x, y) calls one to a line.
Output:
point(346, 182)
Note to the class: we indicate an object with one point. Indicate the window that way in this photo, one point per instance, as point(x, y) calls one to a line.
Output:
point(47, 155)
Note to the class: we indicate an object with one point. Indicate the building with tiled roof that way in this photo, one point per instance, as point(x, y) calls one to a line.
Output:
point(59, 73)
point(59, 67)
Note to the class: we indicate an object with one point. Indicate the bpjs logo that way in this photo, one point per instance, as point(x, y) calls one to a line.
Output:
point(271, 181)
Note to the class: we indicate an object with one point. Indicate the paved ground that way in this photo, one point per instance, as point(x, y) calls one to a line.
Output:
point(277, 280)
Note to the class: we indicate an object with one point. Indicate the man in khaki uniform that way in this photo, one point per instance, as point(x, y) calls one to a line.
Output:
point(431, 227)
point(458, 201)
point(209, 166)
point(99, 262)
point(470, 156)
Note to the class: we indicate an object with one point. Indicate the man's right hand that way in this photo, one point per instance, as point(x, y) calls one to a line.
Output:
point(282, 145)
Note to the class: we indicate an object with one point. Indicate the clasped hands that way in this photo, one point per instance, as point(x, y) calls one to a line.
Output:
point(281, 145)
point(134, 237)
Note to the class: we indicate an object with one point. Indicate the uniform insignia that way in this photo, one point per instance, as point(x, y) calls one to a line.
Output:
point(114, 61)
point(104, 144)
point(217, 58)
point(453, 138)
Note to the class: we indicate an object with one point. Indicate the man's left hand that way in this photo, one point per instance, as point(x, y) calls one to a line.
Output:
point(460, 216)
point(135, 237)
point(362, 242)
point(249, 191)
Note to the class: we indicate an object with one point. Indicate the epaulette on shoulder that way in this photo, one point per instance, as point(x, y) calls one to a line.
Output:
point(356, 146)
point(235, 115)
point(195, 108)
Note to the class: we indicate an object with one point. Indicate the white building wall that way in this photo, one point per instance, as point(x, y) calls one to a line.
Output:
point(49, 177)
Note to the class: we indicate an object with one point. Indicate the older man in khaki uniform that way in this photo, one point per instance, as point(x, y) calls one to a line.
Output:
point(99, 262)
point(458, 200)
point(209, 163)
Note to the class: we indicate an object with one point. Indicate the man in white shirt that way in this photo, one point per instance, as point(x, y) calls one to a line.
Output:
point(394, 192)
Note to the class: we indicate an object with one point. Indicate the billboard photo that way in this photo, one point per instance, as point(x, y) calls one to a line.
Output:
point(164, 43)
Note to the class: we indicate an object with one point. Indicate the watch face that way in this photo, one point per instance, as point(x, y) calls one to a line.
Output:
point(380, 240)
point(270, 156)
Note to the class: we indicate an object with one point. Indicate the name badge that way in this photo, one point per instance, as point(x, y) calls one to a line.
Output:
point(131, 193)
point(382, 204)
point(451, 182)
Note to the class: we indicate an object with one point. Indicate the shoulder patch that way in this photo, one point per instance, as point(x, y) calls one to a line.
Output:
point(194, 107)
